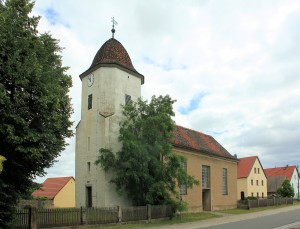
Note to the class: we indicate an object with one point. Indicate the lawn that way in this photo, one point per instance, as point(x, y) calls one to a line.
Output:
point(177, 219)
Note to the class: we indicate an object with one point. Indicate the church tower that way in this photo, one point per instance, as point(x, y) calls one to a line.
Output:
point(110, 81)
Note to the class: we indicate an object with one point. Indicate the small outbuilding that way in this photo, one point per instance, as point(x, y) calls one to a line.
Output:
point(60, 189)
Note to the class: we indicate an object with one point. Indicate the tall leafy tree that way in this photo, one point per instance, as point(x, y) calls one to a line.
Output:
point(35, 108)
point(146, 169)
point(286, 189)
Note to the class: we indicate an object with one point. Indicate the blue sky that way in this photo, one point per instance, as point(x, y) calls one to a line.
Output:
point(233, 66)
point(192, 105)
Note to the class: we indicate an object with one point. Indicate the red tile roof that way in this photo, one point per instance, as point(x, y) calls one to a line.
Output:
point(51, 187)
point(113, 52)
point(244, 166)
point(286, 171)
point(197, 141)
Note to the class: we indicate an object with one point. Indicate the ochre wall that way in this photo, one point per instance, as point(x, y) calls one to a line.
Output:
point(65, 198)
point(257, 176)
point(195, 160)
point(242, 187)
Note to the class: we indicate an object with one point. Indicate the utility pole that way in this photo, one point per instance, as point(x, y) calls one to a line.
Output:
point(298, 181)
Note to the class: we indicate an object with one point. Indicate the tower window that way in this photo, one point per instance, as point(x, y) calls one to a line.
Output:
point(127, 99)
point(89, 166)
point(90, 101)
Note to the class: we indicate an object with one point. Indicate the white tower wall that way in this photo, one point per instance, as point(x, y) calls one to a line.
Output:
point(99, 128)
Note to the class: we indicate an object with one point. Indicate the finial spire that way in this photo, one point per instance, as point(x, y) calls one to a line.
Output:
point(113, 27)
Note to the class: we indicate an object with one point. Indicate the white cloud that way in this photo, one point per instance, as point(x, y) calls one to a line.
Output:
point(243, 54)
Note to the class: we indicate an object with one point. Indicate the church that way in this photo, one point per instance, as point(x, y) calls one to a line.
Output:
point(112, 80)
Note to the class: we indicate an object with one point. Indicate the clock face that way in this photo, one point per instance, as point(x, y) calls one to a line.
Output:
point(90, 80)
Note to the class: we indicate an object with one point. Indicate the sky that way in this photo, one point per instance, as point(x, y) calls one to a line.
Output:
point(233, 66)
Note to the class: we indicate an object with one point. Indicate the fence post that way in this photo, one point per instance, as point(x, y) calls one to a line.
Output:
point(33, 218)
point(257, 202)
point(82, 215)
point(119, 214)
point(149, 212)
point(248, 203)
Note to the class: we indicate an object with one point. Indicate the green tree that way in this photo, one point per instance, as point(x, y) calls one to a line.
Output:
point(286, 189)
point(35, 108)
point(145, 168)
point(28, 194)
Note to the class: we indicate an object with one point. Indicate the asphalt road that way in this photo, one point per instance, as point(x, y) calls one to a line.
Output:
point(281, 220)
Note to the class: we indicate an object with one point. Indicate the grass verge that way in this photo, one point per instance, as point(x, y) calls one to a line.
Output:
point(238, 211)
point(177, 219)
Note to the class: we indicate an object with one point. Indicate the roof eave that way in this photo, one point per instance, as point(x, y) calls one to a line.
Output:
point(119, 66)
point(204, 151)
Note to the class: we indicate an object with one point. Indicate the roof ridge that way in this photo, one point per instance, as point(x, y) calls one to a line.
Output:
point(193, 130)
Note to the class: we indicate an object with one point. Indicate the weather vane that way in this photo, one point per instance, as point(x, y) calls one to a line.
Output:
point(115, 23)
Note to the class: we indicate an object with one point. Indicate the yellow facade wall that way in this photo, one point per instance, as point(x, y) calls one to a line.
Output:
point(255, 183)
point(217, 200)
point(242, 187)
point(65, 198)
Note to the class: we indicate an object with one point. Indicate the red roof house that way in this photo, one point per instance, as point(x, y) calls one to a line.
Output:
point(60, 189)
point(252, 180)
point(277, 175)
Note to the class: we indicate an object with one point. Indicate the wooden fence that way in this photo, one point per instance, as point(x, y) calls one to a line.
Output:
point(60, 217)
point(22, 218)
point(248, 204)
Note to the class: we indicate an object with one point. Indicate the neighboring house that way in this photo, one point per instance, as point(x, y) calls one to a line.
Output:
point(251, 178)
point(112, 80)
point(212, 165)
point(276, 176)
point(60, 189)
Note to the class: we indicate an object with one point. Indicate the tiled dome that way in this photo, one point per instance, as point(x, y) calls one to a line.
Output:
point(113, 52)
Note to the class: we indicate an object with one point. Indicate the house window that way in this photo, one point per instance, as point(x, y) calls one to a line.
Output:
point(182, 187)
point(262, 183)
point(90, 101)
point(262, 195)
point(127, 99)
point(89, 166)
point(205, 176)
point(257, 182)
point(258, 171)
point(225, 192)
point(254, 170)
point(251, 182)
point(258, 195)
point(252, 194)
